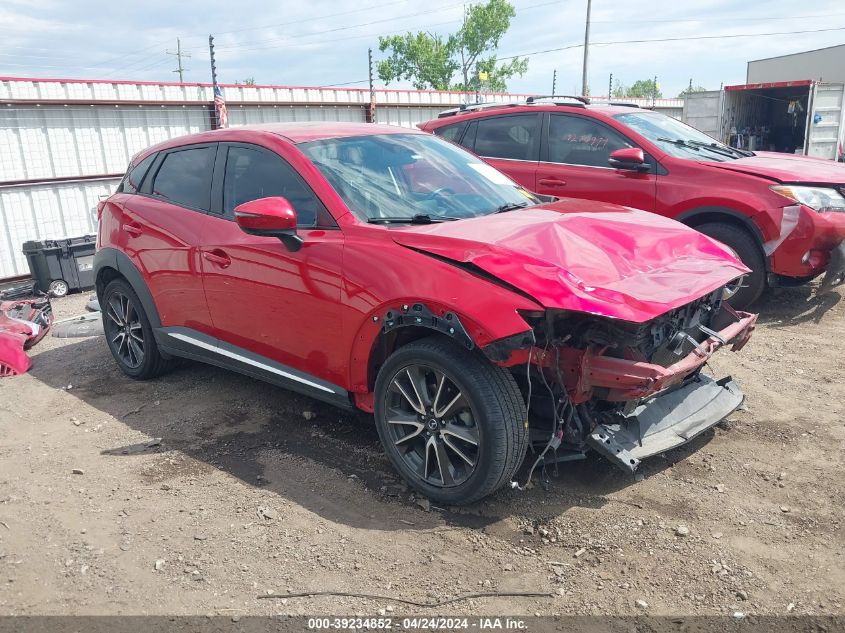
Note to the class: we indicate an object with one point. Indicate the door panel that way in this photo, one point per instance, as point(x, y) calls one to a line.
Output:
point(276, 303)
point(280, 304)
point(161, 237)
point(574, 164)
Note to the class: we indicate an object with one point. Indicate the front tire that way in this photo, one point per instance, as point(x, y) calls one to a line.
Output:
point(452, 423)
point(129, 334)
point(746, 249)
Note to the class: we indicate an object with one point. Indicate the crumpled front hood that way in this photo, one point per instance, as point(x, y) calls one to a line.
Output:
point(787, 168)
point(586, 256)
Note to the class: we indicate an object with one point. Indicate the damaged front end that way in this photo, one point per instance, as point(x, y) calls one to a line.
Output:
point(627, 390)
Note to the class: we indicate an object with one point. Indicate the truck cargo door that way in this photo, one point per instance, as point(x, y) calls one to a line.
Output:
point(825, 123)
point(703, 111)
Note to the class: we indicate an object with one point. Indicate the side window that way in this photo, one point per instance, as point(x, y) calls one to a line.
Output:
point(184, 177)
point(577, 140)
point(132, 180)
point(451, 132)
point(252, 174)
point(511, 137)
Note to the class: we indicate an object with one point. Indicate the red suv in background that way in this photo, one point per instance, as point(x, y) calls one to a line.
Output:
point(784, 215)
point(385, 269)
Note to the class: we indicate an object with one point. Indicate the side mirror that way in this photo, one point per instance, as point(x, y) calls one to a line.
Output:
point(629, 159)
point(269, 217)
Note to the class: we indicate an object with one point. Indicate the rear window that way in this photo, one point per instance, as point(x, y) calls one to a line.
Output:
point(135, 176)
point(451, 132)
point(184, 177)
point(511, 137)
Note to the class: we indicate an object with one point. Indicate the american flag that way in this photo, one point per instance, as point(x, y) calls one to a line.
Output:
point(220, 108)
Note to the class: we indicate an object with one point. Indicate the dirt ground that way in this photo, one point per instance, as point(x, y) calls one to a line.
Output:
point(200, 491)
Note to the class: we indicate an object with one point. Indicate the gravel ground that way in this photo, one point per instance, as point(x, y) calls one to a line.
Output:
point(200, 491)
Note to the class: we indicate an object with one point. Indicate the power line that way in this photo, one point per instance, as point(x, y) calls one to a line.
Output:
point(345, 28)
point(252, 44)
point(671, 39)
point(748, 19)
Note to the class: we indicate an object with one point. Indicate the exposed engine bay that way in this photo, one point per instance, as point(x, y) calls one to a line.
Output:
point(627, 390)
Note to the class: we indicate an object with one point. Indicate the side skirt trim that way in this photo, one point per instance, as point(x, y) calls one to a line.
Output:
point(243, 359)
point(188, 343)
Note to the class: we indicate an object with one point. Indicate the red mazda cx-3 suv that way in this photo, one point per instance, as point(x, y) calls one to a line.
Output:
point(783, 215)
point(386, 269)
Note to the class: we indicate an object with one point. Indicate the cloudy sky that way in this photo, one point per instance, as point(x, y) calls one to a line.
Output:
point(324, 42)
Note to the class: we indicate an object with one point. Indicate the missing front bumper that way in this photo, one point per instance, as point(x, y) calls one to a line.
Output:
point(666, 421)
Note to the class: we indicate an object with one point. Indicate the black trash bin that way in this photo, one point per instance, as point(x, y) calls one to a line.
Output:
point(59, 266)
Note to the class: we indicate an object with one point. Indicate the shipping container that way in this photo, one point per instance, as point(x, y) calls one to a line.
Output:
point(796, 117)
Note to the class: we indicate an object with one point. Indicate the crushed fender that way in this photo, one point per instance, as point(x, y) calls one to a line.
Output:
point(22, 324)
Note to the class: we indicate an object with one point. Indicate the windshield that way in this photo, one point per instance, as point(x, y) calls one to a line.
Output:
point(676, 138)
point(404, 176)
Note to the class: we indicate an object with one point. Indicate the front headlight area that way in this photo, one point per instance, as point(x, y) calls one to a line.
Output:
point(819, 199)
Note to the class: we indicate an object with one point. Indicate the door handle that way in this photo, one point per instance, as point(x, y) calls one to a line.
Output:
point(217, 257)
point(551, 182)
point(133, 229)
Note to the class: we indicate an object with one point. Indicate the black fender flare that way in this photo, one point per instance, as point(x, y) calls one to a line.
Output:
point(117, 260)
point(419, 315)
point(714, 213)
point(706, 213)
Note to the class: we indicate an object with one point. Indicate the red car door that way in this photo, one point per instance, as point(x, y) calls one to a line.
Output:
point(574, 164)
point(510, 143)
point(160, 232)
point(268, 300)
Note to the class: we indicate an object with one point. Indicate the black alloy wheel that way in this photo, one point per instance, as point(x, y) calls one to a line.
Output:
point(122, 325)
point(432, 424)
point(451, 422)
point(129, 334)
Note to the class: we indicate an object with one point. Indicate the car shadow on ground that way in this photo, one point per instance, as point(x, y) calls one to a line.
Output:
point(260, 434)
point(786, 307)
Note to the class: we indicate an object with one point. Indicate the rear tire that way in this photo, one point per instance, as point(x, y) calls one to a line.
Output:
point(452, 423)
point(129, 334)
point(746, 248)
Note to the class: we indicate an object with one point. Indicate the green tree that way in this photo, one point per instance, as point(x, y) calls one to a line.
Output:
point(644, 88)
point(619, 89)
point(432, 61)
point(691, 89)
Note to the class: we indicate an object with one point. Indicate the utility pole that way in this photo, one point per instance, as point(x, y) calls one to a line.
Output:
point(179, 55)
point(372, 89)
point(654, 93)
point(610, 88)
point(584, 87)
point(214, 87)
point(554, 81)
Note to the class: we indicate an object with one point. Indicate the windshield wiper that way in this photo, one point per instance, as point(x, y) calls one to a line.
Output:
point(724, 149)
point(419, 218)
point(510, 206)
point(698, 146)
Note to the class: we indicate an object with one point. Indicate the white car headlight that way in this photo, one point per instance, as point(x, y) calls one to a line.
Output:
point(817, 198)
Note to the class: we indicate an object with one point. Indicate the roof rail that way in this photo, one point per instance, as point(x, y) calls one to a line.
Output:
point(533, 99)
point(471, 107)
point(624, 104)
